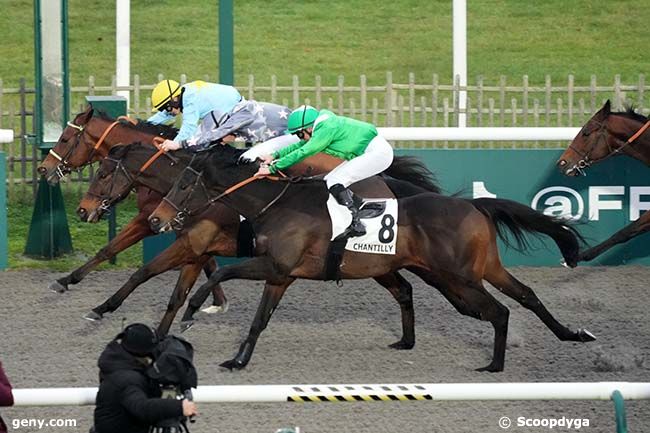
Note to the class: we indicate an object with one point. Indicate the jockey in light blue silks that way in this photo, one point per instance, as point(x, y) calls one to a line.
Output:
point(195, 100)
point(254, 122)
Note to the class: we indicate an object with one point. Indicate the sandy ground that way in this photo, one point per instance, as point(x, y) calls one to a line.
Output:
point(322, 333)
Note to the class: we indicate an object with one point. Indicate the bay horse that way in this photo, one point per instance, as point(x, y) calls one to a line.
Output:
point(448, 242)
point(214, 230)
point(87, 139)
point(605, 135)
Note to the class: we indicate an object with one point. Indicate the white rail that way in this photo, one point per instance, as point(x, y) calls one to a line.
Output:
point(368, 392)
point(480, 134)
point(6, 135)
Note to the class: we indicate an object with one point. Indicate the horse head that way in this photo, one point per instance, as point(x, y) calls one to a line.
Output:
point(123, 169)
point(111, 183)
point(606, 134)
point(70, 151)
point(187, 197)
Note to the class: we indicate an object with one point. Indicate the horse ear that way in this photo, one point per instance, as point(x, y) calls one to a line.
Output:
point(88, 114)
point(607, 107)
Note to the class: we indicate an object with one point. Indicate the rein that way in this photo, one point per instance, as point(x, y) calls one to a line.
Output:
point(182, 214)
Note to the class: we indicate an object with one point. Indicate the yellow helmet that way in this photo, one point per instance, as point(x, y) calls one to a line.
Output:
point(163, 93)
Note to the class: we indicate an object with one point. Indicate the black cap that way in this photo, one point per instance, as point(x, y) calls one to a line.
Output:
point(139, 339)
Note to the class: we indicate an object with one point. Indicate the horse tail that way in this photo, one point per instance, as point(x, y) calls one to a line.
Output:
point(410, 169)
point(520, 219)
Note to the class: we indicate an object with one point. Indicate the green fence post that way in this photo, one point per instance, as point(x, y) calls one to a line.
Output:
point(113, 106)
point(619, 412)
point(49, 236)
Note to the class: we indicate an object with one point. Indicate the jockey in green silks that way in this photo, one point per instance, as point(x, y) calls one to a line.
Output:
point(364, 151)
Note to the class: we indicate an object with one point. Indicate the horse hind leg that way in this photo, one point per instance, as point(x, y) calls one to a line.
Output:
point(515, 289)
point(471, 299)
point(402, 291)
point(219, 300)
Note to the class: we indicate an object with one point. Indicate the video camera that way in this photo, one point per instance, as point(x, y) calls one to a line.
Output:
point(174, 370)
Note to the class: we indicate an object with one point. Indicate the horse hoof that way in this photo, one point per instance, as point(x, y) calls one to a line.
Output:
point(186, 324)
point(213, 309)
point(232, 365)
point(57, 287)
point(402, 345)
point(93, 317)
point(569, 265)
point(491, 368)
point(586, 336)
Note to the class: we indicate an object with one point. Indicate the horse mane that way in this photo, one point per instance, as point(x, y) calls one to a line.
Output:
point(165, 131)
point(631, 113)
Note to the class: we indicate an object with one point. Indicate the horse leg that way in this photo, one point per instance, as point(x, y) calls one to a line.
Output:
point(186, 280)
point(135, 230)
point(628, 232)
point(510, 286)
point(257, 268)
point(219, 301)
point(402, 291)
point(176, 254)
point(471, 299)
point(270, 299)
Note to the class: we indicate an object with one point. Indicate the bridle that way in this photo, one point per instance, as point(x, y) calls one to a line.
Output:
point(183, 212)
point(107, 200)
point(64, 166)
point(581, 165)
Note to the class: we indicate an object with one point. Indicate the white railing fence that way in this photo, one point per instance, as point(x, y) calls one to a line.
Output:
point(368, 392)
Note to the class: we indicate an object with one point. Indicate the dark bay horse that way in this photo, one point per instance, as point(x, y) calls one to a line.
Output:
point(88, 138)
point(448, 242)
point(214, 229)
point(605, 135)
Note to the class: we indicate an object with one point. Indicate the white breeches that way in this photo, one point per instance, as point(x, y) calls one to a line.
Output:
point(377, 158)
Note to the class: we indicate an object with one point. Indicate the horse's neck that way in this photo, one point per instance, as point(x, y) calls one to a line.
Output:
point(156, 176)
point(314, 165)
point(250, 200)
point(118, 134)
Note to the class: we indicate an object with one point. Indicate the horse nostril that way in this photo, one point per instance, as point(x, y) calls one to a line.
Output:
point(562, 163)
point(83, 213)
point(154, 222)
point(41, 170)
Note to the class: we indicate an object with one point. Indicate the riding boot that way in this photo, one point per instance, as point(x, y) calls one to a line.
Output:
point(347, 198)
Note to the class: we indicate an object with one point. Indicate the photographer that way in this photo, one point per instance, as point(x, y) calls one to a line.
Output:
point(128, 400)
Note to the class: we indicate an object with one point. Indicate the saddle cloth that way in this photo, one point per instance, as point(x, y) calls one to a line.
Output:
point(380, 219)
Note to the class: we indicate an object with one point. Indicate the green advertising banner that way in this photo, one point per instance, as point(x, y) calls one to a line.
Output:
point(607, 199)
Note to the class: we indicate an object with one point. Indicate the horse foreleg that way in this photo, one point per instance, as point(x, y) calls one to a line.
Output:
point(134, 231)
point(257, 268)
point(270, 300)
point(176, 254)
point(510, 286)
point(628, 232)
point(471, 299)
point(186, 280)
point(402, 291)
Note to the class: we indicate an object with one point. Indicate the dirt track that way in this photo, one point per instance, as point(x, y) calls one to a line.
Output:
point(322, 333)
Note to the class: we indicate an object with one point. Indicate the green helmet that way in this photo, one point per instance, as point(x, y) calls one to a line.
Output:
point(301, 118)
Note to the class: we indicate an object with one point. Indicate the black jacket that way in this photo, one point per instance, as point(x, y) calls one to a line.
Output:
point(128, 401)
